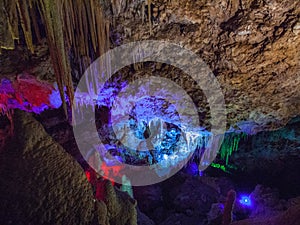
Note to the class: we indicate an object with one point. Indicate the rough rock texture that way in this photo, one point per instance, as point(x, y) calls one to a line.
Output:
point(267, 156)
point(41, 183)
point(149, 197)
point(20, 60)
point(266, 202)
point(182, 199)
point(143, 219)
point(251, 45)
point(185, 199)
point(120, 206)
point(289, 217)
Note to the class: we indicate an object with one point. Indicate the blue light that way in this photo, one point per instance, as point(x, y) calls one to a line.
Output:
point(245, 200)
point(55, 99)
point(192, 169)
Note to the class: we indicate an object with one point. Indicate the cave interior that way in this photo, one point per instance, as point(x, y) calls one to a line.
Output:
point(149, 112)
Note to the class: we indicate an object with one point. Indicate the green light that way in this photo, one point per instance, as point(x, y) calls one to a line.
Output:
point(224, 168)
point(219, 166)
point(230, 145)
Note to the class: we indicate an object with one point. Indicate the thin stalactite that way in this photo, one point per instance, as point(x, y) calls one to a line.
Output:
point(149, 16)
point(23, 11)
point(70, 27)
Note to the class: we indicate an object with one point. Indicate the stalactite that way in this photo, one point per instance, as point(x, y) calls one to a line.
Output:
point(34, 20)
point(23, 10)
point(149, 16)
point(9, 26)
point(230, 145)
point(143, 12)
point(70, 27)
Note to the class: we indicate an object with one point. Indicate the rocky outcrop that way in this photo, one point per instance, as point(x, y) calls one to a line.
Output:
point(267, 156)
point(289, 217)
point(41, 184)
point(250, 45)
point(120, 206)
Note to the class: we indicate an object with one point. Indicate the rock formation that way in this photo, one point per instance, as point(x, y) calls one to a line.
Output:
point(250, 45)
point(41, 183)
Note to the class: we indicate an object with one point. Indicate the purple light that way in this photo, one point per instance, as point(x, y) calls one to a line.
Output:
point(28, 94)
point(192, 169)
point(245, 200)
point(55, 99)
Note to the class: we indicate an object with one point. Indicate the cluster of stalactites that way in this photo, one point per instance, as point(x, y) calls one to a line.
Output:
point(74, 28)
point(231, 144)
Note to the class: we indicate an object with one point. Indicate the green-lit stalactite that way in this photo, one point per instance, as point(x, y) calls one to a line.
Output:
point(225, 168)
point(230, 145)
point(219, 166)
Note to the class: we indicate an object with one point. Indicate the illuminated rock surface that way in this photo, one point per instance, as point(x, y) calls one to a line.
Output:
point(252, 46)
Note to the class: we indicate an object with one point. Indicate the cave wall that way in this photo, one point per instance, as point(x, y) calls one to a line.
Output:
point(250, 45)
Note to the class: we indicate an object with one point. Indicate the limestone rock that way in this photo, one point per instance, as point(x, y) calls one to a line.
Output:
point(251, 46)
point(120, 206)
point(289, 217)
point(42, 184)
point(39, 182)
